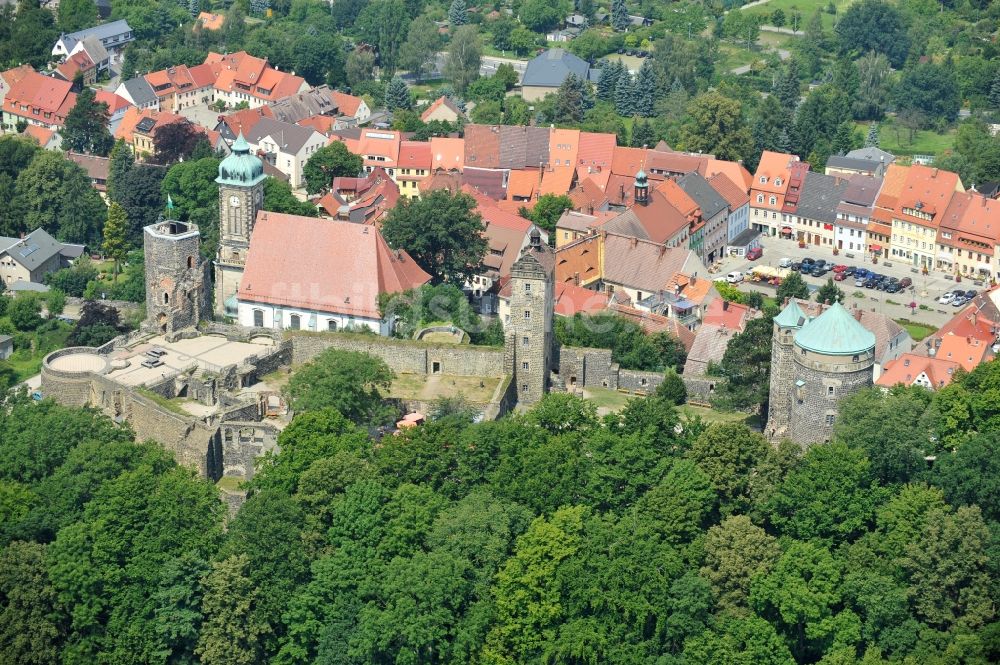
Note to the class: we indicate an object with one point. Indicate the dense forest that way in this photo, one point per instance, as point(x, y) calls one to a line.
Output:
point(554, 536)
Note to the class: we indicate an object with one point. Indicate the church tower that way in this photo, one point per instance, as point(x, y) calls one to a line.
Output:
point(528, 351)
point(641, 188)
point(241, 195)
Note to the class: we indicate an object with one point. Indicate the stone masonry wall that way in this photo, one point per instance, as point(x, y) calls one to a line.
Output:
point(637, 381)
point(403, 356)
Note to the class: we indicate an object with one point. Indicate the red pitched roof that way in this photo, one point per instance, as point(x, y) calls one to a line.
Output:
point(447, 153)
point(115, 103)
point(909, 367)
point(347, 104)
point(78, 62)
point(211, 21)
point(415, 155)
point(734, 195)
point(246, 119)
point(571, 299)
point(595, 151)
point(654, 323)
point(436, 104)
point(627, 161)
point(321, 123)
point(324, 265)
point(730, 315)
point(45, 94)
point(39, 134)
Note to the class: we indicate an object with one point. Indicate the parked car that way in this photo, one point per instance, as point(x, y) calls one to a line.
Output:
point(785, 263)
point(850, 271)
point(755, 254)
point(892, 287)
point(860, 281)
point(839, 268)
point(958, 301)
point(946, 298)
point(808, 261)
point(970, 294)
point(734, 277)
point(796, 266)
point(839, 276)
point(871, 283)
point(905, 283)
point(819, 271)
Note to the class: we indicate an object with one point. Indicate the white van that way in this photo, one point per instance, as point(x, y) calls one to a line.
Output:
point(734, 277)
point(784, 263)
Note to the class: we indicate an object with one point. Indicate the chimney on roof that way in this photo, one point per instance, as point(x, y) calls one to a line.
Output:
point(725, 305)
point(633, 241)
point(974, 318)
point(857, 314)
point(934, 172)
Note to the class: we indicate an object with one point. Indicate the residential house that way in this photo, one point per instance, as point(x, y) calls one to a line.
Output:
point(573, 225)
point(735, 171)
point(593, 158)
point(546, 72)
point(507, 235)
point(307, 104)
point(657, 215)
point(661, 165)
point(38, 100)
point(968, 237)
point(138, 128)
point(182, 87)
point(378, 148)
point(813, 215)
point(714, 215)
point(854, 213)
point(361, 200)
point(139, 93)
point(768, 190)
point(31, 258)
point(10, 77)
point(912, 369)
point(112, 37)
point(922, 202)
point(209, 21)
point(971, 336)
point(880, 224)
point(78, 64)
point(240, 77)
point(304, 273)
point(233, 124)
point(442, 109)
point(286, 146)
point(414, 167)
point(47, 139)
point(97, 169)
point(351, 107)
point(447, 154)
point(117, 106)
point(721, 322)
point(871, 162)
point(685, 298)
point(740, 238)
point(637, 268)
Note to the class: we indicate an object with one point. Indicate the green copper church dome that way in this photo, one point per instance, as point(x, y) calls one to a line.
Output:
point(240, 168)
point(835, 333)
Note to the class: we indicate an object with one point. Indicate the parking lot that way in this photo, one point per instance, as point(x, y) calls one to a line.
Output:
point(926, 289)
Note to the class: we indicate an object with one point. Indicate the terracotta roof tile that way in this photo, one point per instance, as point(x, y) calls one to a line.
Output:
point(737, 173)
point(579, 262)
point(909, 367)
point(447, 153)
point(595, 151)
point(521, 183)
point(730, 191)
point(627, 161)
point(332, 267)
point(439, 102)
point(346, 104)
point(415, 155)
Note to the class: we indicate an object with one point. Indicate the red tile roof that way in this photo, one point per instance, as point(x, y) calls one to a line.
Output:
point(115, 103)
point(39, 134)
point(654, 323)
point(909, 367)
point(447, 153)
point(45, 94)
point(571, 299)
point(437, 103)
point(735, 196)
point(521, 183)
point(211, 21)
point(729, 315)
point(928, 190)
point(327, 266)
point(595, 151)
point(415, 155)
point(246, 119)
point(78, 62)
point(346, 104)
point(737, 173)
point(627, 161)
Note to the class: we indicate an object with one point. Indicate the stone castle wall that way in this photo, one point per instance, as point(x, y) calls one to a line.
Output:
point(825, 381)
point(403, 356)
point(581, 367)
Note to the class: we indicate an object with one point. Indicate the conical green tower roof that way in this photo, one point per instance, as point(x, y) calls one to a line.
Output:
point(240, 168)
point(791, 316)
point(835, 333)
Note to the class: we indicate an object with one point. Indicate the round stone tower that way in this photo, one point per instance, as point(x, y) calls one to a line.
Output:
point(176, 293)
point(786, 324)
point(833, 357)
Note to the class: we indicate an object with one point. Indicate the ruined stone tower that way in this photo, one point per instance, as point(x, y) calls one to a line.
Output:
point(241, 195)
point(176, 284)
point(528, 345)
point(831, 356)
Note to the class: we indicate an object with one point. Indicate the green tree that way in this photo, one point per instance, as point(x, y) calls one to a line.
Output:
point(278, 197)
point(571, 101)
point(735, 551)
point(647, 89)
point(746, 366)
point(547, 211)
point(442, 232)
point(541, 15)
point(829, 293)
point(421, 46)
point(86, 127)
point(140, 194)
point(24, 312)
point(714, 124)
point(607, 82)
point(384, 24)
point(119, 166)
point(930, 91)
point(729, 453)
point(777, 18)
point(969, 475)
point(33, 621)
point(360, 67)
point(619, 15)
point(672, 389)
point(786, 86)
point(115, 245)
point(54, 194)
point(465, 51)
point(457, 14)
point(625, 95)
point(397, 95)
point(678, 507)
point(874, 25)
point(528, 588)
point(793, 286)
point(232, 633)
point(327, 163)
point(348, 381)
point(751, 641)
point(829, 495)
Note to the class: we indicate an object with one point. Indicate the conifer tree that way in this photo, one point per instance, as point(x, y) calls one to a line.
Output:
point(619, 15)
point(608, 81)
point(625, 95)
point(784, 143)
point(457, 14)
point(871, 141)
point(994, 95)
point(643, 134)
point(119, 166)
point(397, 95)
point(646, 90)
point(115, 243)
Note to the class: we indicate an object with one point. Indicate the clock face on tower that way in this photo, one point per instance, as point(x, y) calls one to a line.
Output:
point(234, 201)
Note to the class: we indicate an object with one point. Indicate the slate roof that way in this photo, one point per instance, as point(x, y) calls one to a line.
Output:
point(36, 248)
point(551, 68)
point(872, 154)
point(290, 136)
point(820, 196)
point(303, 105)
point(699, 189)
point(102, 31)
point(334, 267)
point(140, 91)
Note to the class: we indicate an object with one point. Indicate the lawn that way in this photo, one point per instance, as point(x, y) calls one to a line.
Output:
point(925, 142)
point(918, 331)
point(804, 7)
point(606, 398)
point(430, 387)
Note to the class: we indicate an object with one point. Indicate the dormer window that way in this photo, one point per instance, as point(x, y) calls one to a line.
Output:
point(763, 180)
point(773, 200)
point(777, 181)
point(760, 198)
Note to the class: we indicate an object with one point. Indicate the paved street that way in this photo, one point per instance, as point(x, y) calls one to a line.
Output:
point(926, 288)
